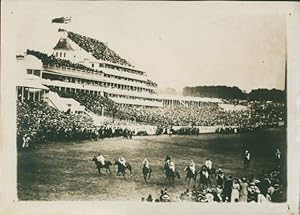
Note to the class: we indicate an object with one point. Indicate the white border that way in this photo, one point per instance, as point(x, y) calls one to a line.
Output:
point(10, 205)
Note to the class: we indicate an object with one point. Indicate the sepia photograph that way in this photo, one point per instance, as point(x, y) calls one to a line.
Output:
point(182, 106)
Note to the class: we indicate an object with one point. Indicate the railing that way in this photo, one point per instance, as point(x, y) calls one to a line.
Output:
point(79, 71)
point(109, 71)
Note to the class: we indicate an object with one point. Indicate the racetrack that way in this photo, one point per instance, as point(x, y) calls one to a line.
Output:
point(63, 171)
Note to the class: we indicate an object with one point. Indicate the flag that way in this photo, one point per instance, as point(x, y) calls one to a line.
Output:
point(64, 20)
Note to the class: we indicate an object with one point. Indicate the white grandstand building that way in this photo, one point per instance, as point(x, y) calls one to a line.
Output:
point(93, 68)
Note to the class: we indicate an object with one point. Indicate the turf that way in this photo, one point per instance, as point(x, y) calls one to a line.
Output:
point(63, 171)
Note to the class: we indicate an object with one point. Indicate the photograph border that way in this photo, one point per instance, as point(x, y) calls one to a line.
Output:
point(11, 205)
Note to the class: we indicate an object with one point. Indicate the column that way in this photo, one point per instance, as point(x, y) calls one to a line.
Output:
point(22, 94)
point(28, 94)
point(102, 111)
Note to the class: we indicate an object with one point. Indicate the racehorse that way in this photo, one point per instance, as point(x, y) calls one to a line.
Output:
point(122, 169)
point(170, 174)
point(190, 175)
point(146, 172)
point(99, 165)
point(204, 177)
point(212, 172)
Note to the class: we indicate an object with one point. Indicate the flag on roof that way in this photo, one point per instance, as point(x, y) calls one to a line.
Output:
point(64, 20)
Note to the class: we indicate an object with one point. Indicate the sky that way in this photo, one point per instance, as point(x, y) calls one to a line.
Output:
point(178, 44)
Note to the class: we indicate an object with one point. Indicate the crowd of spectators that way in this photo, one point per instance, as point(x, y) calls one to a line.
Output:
point(57, 62)
point(257, 115)
point(267, 188)
point(39, 123)
point(94, 102)
point(43, 123)
point(98, 49)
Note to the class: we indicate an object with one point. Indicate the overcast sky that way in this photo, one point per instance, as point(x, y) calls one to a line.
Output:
point(177, 43)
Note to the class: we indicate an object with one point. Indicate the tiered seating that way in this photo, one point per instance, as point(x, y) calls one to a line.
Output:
point(44, 123)
point(98, 49)
point(53, 61)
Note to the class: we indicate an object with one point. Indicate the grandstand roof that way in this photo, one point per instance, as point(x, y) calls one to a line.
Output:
point(30, 81)
point(63, 44)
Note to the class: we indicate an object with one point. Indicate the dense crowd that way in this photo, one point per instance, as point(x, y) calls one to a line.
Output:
point(39, 123)
point(258, 115)
point(93, 102)
point(53, 61)
point(98, 49)
point(268, 188)
point(42, 123)
point(261, 114)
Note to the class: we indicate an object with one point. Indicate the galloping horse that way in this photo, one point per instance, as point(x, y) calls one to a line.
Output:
point(170, 174)
point(146, 172)
point(122, 168)
point(190, 175)
point(204, 177)
point(99, 165)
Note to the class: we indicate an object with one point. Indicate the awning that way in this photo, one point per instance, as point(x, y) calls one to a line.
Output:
point(31, 84)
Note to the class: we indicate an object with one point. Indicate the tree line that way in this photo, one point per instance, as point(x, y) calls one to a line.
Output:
point(225, 92)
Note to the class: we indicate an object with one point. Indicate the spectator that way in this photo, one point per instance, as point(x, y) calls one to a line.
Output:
point(243, 190)
point(235, 191)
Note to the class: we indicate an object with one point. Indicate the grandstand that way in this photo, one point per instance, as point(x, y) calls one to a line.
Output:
point(81, 64)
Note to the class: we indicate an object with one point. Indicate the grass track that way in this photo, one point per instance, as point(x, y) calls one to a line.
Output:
point(62, 171)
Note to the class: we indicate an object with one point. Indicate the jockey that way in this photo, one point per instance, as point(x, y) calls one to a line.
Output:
point(192, 166)
point(122, 161)
point(278, 154)
point(246, 159)
point(208, 164)
point(100, 158)
point(205, 171)
point(172, 166)
point(146, 163)
point(220, 178)
point(168, 158)
point(247, 155)
point(277, 157)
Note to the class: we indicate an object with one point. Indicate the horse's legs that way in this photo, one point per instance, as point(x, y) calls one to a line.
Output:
point(207, 183)
point(109, 170)
point(167, 179)
point(149, 175)
point(200, 183)
point(99, 170)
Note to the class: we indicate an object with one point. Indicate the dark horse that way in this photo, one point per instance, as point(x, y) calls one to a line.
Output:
point(146, 172)
point(204, 177)
point(99, 165)
point(122, 169)
point(190, 175)
point(212, 172)
point(170, 174)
